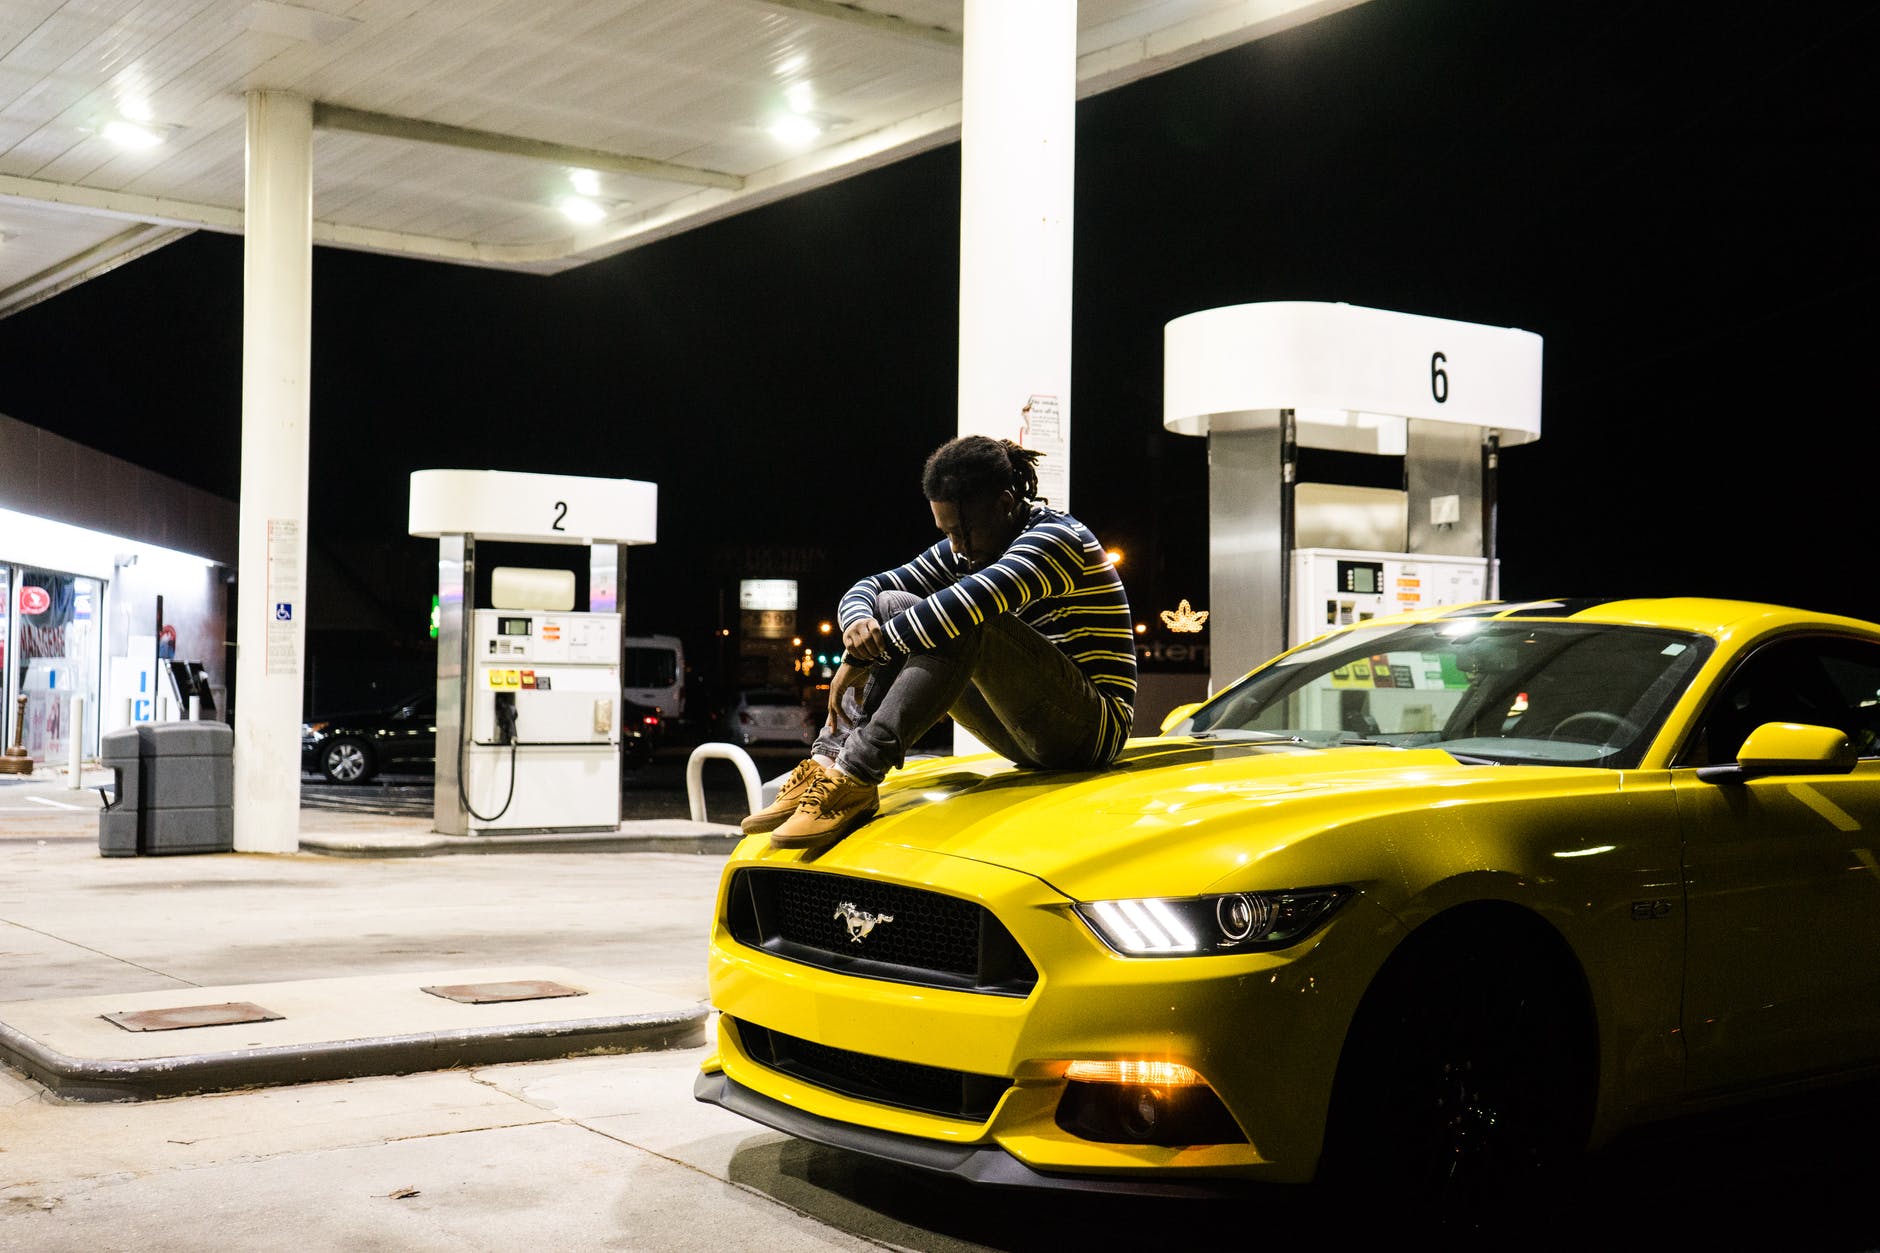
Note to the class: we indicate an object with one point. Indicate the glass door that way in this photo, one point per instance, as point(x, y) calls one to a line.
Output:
point(55, 658)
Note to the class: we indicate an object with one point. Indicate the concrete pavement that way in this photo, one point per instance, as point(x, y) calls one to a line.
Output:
point(586, 1141)
point(113, 968)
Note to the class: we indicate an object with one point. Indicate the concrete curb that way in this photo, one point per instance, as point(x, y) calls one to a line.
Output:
point(80, 1079)
point(653, 837)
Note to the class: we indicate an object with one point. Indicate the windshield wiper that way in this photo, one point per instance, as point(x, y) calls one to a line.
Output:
point(1274, 737)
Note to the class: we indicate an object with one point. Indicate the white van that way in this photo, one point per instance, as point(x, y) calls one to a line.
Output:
point(653, 673)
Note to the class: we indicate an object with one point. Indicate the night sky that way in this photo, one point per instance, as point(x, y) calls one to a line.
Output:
point(1683, 207)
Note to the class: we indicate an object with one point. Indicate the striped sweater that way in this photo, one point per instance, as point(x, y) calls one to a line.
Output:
point(1053, 576)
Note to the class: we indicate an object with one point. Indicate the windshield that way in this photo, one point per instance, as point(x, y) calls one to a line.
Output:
point(1548, 693)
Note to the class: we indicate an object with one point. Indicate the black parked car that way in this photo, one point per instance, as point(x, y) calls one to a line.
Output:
point(402, 736)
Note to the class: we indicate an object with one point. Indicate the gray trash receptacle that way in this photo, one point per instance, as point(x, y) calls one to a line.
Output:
point(120, 821)
point(177, 796)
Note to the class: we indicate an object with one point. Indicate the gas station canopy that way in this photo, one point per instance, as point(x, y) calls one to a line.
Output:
point(528, 135)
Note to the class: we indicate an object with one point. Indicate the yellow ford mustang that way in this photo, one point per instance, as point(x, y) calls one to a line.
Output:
point(1435, 903)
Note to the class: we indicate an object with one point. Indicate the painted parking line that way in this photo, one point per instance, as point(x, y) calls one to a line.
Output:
point(46, 800)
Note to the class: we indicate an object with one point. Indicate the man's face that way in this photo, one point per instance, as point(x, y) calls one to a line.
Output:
point(979, 530)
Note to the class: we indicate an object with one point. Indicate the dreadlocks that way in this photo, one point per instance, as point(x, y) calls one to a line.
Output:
point(975, 466)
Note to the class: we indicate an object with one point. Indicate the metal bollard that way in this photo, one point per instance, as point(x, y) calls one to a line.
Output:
point(695, 776)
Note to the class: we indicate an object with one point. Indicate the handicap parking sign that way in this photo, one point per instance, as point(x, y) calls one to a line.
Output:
point(284, 612)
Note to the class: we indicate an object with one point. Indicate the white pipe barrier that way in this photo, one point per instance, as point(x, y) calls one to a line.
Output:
point(75, 743)
point(695, 776)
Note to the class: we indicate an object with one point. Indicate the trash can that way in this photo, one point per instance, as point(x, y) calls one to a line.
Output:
point(121, 752)
point(176, 794)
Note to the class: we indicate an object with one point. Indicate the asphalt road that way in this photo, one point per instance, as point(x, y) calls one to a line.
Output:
point(657, 790)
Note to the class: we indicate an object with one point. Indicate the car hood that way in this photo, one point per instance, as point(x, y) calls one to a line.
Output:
point(1179, 815)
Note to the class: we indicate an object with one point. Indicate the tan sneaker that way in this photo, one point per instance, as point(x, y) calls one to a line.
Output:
point(833, 806)
point(789, 796)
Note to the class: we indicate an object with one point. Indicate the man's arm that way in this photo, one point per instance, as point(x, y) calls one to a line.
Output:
point(862, 637)
point(1045, 560)
point(847, 676)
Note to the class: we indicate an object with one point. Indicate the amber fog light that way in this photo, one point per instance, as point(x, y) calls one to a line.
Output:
point(1135, 1102)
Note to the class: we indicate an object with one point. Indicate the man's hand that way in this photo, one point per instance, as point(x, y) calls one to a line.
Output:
point(847, 676)
point(865, 640)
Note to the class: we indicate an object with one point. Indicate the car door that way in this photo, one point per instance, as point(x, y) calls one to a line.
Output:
point(1782, 877)
point(410, 738)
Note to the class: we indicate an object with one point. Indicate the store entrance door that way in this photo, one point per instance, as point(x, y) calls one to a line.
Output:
point(53, 656)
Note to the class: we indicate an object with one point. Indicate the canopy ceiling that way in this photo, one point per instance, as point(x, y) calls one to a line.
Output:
point(458, 130)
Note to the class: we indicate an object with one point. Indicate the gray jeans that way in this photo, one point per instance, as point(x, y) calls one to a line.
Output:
point(1003, 681)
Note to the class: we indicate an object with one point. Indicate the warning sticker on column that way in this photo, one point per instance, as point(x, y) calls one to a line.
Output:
point(1041, 426)
point(284, 589)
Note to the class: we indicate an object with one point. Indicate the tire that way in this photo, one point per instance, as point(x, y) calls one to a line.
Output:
point(347, 761)
point(1465, 1090)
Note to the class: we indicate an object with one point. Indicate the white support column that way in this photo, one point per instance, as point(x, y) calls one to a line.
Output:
point(277, 300)
point(1018, 121)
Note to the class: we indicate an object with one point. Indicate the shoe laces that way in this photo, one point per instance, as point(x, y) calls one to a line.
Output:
point(804, 769)
point(819, 791)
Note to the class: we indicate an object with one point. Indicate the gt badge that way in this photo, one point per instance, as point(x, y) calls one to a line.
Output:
point(860, 922)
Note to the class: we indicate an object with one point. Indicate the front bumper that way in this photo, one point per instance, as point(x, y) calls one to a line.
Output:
point(985, 1165)
point(1262, 1029)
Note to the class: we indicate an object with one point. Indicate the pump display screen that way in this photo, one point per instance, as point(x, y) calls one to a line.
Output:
point(512, 626)
point(1362, 578)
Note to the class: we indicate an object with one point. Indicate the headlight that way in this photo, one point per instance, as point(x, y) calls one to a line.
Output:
point(1234, 922)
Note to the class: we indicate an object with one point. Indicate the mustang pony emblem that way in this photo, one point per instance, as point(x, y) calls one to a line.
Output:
point(860, 922)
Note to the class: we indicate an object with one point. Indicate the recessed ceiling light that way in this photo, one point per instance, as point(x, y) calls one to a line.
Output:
point(581, 209)
point(795, 129)
point(131, 135)
point(585, 182)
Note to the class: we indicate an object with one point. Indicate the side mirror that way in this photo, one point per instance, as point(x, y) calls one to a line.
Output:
point(1179, 714)
point(1779, 748)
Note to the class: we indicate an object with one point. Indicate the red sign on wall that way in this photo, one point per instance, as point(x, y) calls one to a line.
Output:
point(34, 600)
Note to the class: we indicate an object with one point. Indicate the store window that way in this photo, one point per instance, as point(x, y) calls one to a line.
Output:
point(54, 658)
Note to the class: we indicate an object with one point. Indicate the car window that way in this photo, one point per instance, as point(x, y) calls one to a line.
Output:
point(1820, 680)
point(650, 667)
point(1556, 692)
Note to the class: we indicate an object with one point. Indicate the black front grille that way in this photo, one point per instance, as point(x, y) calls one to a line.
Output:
point(877, 931)
point(909, 1085)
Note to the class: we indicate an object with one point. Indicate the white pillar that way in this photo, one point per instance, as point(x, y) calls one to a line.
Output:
point(277, 300)
point(1018, 123)
point(75, 741)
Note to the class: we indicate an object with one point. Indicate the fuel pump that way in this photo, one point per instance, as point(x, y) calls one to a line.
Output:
point(543, 751)
point(528, 687)
point(1334, 587)
point(1426, 402)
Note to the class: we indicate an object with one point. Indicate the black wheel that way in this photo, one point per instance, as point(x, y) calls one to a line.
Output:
point(347, 761)
point(1465, 1090)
